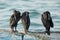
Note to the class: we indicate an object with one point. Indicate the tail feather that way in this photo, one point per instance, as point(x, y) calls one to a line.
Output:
point(48, 32)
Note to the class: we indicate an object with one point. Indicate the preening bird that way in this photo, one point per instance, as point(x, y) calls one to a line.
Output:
point(47, 21)
point(15, 17)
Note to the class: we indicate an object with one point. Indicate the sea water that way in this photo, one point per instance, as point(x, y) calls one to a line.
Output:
point(35, 9)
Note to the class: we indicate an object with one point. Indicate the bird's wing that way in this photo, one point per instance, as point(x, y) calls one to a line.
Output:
point(51, 22)
point(12, 20)
point(28, 20)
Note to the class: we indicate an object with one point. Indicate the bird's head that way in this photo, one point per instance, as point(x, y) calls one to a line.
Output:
point(47, 13)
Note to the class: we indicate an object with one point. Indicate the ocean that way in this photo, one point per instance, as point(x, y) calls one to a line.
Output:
point(35, 9)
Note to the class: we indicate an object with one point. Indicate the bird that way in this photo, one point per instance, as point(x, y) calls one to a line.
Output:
point(26, 21)
point(15, 17)
point(47, 21)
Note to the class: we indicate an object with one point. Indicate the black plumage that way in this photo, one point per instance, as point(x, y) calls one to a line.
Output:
point(47, 21)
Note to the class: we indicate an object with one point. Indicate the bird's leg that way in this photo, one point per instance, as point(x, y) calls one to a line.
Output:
point(49, 31)
point(46, 30)
point(25, 31)
point(27, 28)
point(12, 29)
point(15, 28)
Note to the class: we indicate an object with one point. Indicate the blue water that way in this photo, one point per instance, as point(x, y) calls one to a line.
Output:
point(36, 8)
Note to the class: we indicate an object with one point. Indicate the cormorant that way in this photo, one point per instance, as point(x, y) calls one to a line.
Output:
point(47, 21)
point(15, 17)
point(26, 21)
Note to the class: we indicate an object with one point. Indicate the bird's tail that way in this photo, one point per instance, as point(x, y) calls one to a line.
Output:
point(48, 32)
